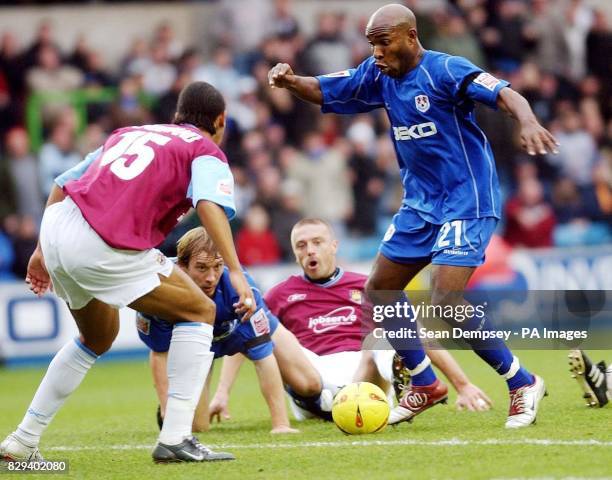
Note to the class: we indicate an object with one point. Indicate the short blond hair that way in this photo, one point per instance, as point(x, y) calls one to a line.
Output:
point(313, 221)
point(195, 241)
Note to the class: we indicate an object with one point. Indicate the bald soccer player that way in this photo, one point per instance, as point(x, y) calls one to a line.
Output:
point(451, 202)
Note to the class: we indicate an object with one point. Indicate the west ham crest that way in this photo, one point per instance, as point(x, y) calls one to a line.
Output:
point(422, 103)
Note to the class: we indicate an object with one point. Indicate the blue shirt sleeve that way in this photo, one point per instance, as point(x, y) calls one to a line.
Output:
point(78, 170)
point(211, 179)
point(352, 91)
point(466, 80)
point(261, 304)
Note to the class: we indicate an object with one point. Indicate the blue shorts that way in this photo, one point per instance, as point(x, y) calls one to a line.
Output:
point(156, 334)
point(462, 243)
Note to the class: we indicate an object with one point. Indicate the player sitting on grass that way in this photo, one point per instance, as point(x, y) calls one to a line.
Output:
point(594, 379)
point(200, 259)
point(322, 307)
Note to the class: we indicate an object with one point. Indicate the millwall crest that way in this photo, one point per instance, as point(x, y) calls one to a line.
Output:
point(422, 103)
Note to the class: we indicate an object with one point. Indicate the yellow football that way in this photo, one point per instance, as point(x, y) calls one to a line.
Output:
point(360, 408)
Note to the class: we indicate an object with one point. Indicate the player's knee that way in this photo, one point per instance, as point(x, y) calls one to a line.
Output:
point(203, 310)
point(312, 387)
point(101, 343)
point(443, 298)
point(308, 386)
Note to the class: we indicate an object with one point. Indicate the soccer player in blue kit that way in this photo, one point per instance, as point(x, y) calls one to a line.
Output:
point(451, 201)
point(198, 256)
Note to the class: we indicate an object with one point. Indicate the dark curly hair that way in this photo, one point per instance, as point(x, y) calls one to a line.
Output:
point(199, 104)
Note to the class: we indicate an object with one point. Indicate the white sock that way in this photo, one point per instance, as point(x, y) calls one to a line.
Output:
point(189, 361)
point(64, 375)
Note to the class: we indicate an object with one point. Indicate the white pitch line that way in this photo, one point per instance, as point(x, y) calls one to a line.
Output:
point(364, 443)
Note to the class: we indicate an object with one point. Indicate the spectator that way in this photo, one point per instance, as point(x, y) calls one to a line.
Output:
point(50, 75)
point(256, 243)
point(166, 105)
point(327, 51)
point(454, 38)
point(220, 73)
point(530, 220)
point(324, 178)
point(158, 76)
point(578, 21)
point(368, 181)
point(599, 46)
point(57, 155)
point(165, 35)
point(23, 169)
point(578, 155)
point(137, 59)
point(127, 110)
point(546, 31)
point(248, 17)
point(44, 38)
point(575, 212)
point(12, 63)
point(286, 215)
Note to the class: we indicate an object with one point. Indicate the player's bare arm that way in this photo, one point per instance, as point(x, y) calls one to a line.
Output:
point(535, 139)
point(37, 276)
point(215, 222)
point(306, 88)
point(271, 385)
point(219, 405)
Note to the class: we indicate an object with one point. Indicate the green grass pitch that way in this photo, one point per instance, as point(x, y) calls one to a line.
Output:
point(107, 429)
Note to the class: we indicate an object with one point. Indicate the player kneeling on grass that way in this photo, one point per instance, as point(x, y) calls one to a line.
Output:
point(199, 258)
point(594, 379)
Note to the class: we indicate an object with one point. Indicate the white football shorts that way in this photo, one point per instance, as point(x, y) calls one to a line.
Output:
point(338, 369)
point(82, 266)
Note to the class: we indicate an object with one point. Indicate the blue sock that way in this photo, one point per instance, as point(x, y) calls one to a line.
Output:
point(496, 353)
point(520, 379)
point(410, 349)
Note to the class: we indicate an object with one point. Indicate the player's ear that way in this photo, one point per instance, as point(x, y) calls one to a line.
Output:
point(334, 245)
point(220, 121)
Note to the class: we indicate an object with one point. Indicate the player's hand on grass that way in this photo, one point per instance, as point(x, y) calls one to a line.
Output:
point(282, 429)
point(473, 399)
point(37, 276)
point(245, 307)
point(535, 139)
point(281, 75)
point(219, 408)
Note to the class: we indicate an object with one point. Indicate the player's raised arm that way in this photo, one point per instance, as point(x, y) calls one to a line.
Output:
point(306, 88)
point(535, 139)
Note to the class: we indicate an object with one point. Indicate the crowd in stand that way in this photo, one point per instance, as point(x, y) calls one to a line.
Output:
point(289, 160)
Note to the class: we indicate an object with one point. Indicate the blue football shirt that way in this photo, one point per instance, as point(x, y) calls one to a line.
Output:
point(446, 164)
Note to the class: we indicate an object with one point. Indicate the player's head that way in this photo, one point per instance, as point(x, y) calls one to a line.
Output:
point(314, 246)
point(393, 36)
point(199, 258)
point(203, 106)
